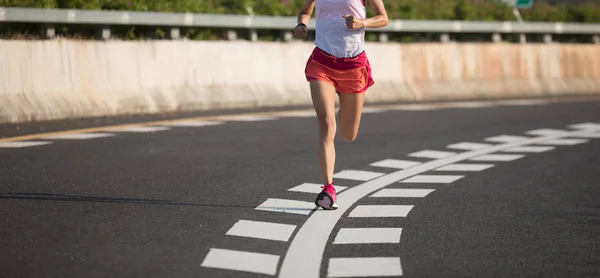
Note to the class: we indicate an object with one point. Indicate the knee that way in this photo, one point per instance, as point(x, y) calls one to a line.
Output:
point(327, 127)
point(349, 136)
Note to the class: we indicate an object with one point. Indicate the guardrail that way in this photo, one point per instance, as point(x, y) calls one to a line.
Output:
point(174, 21)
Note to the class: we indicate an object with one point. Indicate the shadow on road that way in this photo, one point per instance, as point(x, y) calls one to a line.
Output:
point(70, 198)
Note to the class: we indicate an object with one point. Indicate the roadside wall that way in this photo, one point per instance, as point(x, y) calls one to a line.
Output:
point(41, 80)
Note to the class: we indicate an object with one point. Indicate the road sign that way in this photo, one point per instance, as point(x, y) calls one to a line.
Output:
point(520, 4)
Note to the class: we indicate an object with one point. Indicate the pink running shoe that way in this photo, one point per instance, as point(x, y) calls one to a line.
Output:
point(327, 198)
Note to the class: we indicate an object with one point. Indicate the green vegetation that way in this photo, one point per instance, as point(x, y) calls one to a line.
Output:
point(486, 10)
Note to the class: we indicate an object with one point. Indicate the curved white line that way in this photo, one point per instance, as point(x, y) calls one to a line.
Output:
point(304, 256)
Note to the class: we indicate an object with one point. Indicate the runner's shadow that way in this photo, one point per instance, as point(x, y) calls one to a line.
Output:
point(71, 198)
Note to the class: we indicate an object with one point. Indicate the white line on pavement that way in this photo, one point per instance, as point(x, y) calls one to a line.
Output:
point(364, 267)
point(468, 146)
point(262, 230)
point(22, 144)
point(357, 175)
point(529, 149)
point(432, 179)
point(402, 193)
point(506, 139)
point(381, 211)
point(314, 188)
point(545, 131)
point(497, 157)
point(79, 136)
point(432, 154)
point(564, 142)
point(464, 167)
point(368, 235)
point(241, 261)
point(287, 206)
point(395, 164)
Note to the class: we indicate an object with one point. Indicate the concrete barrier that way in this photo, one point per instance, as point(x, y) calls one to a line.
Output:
point(42, 80)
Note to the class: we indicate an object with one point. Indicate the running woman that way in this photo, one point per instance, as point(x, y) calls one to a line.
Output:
point(338, 66)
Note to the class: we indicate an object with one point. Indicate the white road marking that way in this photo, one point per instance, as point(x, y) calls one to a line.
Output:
point(357, 175)
point(79, 136)
point(468, 146)
point(314, 188)
point(497, 157)
point(371, 110)
point(287, 206)
point(464, 167)
point(545, 132)
point(368, 235)
point(529, 149)
point(22, 144)
point(262, 230)
point(564, 142)
point(402, 193)
point(381, 211)
point(590, 136)
point(586, 126)
point(506, 139)
point(241, 261)
point(140, 129)
point(432, 179)
point(196, 123)
point(308, 247)
point(306, 114)
point(364, 267)
point(395, 164)
point(432, 154)
point(248, 118)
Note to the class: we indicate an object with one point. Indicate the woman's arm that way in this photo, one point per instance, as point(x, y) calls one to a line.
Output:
point(379, 20)
point(303, 19)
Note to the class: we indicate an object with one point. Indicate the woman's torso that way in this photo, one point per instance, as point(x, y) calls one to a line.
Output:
point(333, 36)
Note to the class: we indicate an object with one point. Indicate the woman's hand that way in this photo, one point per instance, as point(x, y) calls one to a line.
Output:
point(353, 23)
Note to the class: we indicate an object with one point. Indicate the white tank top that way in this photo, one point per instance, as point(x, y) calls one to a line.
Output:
point(332, 35)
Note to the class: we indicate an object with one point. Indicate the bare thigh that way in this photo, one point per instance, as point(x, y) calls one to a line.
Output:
point(350, 113)
point(323, 98)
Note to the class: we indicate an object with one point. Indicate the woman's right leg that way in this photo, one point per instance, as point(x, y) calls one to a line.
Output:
point(323, 97)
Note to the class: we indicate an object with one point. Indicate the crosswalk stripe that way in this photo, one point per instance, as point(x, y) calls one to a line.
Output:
point(381, 211)
point(314, 188)
point(368, 235)
point(79, 136)
point(529, 149)
point(468, 146)
point(140, 129)
point(432, 154)
point(196, 123)
point(357, 175)
point(432, 179)
point(586, 126)
point(22, 144)
point(590, 136)
point(241, 261)
point(464, 167)
point(545, 132)
point(402, 193)
point(364, 267)
point(395, 164)
point(497, 157)
point(564, 142)
point(262, 230)
point(506, 139)
point(287, 206)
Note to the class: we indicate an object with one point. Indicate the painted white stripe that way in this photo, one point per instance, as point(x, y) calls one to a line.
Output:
point(564, 142)
point(432, 179)
point(372, 110)
point(248, 118)
point(432, 154)
point(590, 135)
point(309, 247)
point(314, 188)
point(22, 144)
point(545, 132)
point(79, 136)
point(381, 211)
point(402, 193)
point(262, 230)
point(306, 114)
point(465, 167)
point(586, 126)
point(196, 123)
point(468, 146)
point(506, 139)
point(497, 157)
point(287, 206)
point(395, 164)
point(364, 267)
point(529, 149)
point(357, 175)
point(140, 129)
point(368, 235)
point(241, 261)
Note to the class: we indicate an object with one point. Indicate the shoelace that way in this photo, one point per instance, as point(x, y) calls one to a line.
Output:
point(331, 184)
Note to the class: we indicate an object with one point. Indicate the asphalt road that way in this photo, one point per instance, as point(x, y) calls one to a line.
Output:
point(183, 201)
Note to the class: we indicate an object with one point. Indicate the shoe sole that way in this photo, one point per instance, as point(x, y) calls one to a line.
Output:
point(325, 201)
